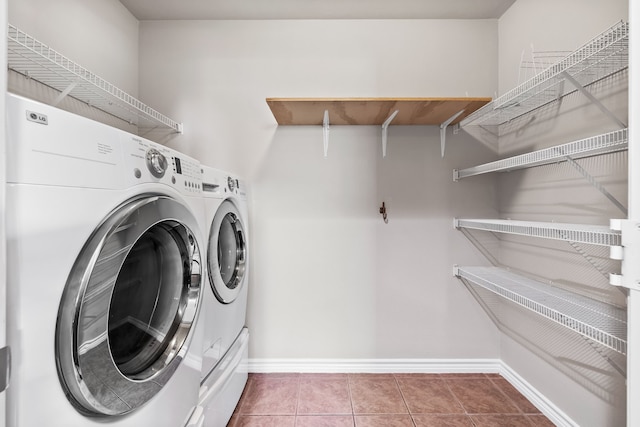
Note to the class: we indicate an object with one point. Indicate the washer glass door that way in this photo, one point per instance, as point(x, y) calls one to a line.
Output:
point(128, 306)
point(143, 313)
point(227, 253)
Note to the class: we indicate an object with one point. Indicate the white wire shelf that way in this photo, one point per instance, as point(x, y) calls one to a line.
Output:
point(580, 233)
point(601, 144)
point(38, 61)
point(601, 57)
point(600, 322)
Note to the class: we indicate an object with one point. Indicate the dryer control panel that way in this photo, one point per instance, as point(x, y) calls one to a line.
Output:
point(150, 162)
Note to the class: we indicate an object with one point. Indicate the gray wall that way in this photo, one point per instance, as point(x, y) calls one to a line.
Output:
point(329, 279)
point(573, 374)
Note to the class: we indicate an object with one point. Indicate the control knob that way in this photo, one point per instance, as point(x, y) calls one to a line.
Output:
point(156, 162)
point(231, 183)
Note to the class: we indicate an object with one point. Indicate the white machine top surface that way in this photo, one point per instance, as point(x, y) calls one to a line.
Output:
point(64, 149)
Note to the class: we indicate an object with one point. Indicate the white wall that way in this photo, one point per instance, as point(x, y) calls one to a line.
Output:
point(329, 279)
point(573, 374)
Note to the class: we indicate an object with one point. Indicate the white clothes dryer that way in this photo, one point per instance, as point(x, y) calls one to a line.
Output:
point(227, 261)
point(225, 337)
point(104, 252)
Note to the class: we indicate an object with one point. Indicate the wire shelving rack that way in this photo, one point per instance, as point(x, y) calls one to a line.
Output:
point(603, 56)
point(592, 146)
point(597, 321)
point(580, 233)
point(34, 59)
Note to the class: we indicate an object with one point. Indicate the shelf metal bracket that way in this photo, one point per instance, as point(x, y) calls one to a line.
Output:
point(594, 100)
point(591, 180)
point(560, 90)
point(443, 131)
point(588, 257)
point(325, 132)
point(385, 129)
point(64, 93)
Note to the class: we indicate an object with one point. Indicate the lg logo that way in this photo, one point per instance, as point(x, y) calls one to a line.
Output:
point(37, 118)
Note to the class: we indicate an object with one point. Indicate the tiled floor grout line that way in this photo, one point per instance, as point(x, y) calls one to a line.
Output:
point(353, 412)
point(295, 418)
point(404, 400)
point(446, 383)
point(520, 411)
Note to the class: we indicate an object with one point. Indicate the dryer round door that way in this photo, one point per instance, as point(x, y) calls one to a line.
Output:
point(128, 306)
point(227, 253)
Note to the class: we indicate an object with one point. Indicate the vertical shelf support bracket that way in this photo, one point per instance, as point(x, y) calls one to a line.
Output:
point(325, 132)
point(64, 93)
point(443, 131)
point(385, 129)
point(591, 180)
point(594, 100)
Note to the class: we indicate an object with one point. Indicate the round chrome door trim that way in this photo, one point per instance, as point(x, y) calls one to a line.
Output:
point(227, 280)
point(92, 380)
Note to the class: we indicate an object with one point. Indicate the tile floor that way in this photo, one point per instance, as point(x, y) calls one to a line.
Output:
point(384, 400)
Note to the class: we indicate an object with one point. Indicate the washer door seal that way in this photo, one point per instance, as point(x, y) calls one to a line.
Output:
point(128, 306)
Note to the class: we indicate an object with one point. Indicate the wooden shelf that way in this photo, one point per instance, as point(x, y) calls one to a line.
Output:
point(372, 111)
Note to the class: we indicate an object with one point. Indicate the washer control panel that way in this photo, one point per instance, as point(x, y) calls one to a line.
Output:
point(151, 162)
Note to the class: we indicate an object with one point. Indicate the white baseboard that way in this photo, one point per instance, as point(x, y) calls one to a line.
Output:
point(375, 365)
point(434, 366)
point(555, 414)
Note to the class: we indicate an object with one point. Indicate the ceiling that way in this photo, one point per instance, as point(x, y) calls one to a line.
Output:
point(145, 10)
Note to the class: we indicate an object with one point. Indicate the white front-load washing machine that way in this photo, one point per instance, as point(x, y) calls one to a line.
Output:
point(105, 274)
point(225, 337)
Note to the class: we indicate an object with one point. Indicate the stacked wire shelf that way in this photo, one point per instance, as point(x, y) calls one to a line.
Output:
point(35, 60)
point(601, 57)
point(597, 321)
point(579, 233)
point(601, 144)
